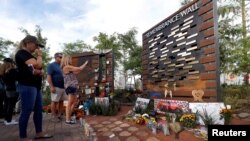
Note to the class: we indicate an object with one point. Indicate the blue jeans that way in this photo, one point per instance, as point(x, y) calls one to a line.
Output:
point(31, 100)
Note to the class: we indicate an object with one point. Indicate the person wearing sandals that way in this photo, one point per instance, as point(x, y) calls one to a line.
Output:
point(29, 86)
point(70, 84)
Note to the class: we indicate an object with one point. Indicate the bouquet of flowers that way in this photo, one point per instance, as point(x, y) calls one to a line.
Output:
point(188, 120)
point(226, 113)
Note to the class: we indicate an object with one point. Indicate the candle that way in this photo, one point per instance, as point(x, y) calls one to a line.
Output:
point(223, 107)
point(166, 93)
point(154, 130)
point(81, 121)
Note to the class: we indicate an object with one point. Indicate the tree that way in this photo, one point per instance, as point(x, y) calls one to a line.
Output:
point(4, 45)
point(76, 47)
point(229, 44)
point(105, 41)
point(233, 37)
point(131, 51)
point(233, 40)
point(244, 64)
point(135, 62)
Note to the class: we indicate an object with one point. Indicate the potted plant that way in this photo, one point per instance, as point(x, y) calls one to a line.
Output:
point(188, 120)
point(206, 118)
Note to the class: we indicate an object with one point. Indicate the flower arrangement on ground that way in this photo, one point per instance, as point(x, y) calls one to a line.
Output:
point(226, 113)
point(188, 120)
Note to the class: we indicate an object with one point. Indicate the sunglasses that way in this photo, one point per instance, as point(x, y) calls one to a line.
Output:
point(59, 57)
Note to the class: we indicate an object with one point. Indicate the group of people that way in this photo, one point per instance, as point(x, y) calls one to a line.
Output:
point(8, 93)
point(23, 78)
point(62, 80)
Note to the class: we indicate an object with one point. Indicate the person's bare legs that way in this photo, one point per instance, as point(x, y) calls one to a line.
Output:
point(73, 104)
point(53, 108)
point(57, 109)
point(60, 109)
point(71, 99)
point(68, 109)
point(54, 111)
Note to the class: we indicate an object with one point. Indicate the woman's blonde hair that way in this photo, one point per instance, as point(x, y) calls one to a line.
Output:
point(66, 60)
point(21, 45)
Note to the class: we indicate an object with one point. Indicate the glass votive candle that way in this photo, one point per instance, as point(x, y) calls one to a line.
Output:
point(228, 106)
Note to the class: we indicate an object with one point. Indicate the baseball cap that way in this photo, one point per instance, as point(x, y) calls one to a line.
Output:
point(33, 39)
point(58, 54)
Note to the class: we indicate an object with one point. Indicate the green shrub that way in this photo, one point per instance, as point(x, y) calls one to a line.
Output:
point(232, 100)
point(118, 93)
point(46, 96)
point(95, 109)
point(233, 93)
point(110, 110)
point(236, 90)
point(105, 110)
point(113, 108)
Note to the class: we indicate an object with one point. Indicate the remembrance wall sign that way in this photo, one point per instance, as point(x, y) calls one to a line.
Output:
point(182, 53)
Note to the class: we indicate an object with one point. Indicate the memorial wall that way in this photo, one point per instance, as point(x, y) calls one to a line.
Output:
point(99, 71)
point(181, 54)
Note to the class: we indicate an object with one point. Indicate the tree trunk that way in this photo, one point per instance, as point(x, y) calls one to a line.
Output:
point(246, 79)
point(244, 35)
point(134, 82)
point(125, 78)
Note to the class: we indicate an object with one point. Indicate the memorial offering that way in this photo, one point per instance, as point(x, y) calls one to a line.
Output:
point(141, 103)
point(162, 106)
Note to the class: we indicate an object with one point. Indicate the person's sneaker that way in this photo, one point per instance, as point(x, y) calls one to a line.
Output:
point(70, 122)
point(73, 121)
point(13, 122)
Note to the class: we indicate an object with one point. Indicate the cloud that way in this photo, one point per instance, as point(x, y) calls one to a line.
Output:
point(67, 21)
point(113, 15)
point(10, 28)
point(119, 16)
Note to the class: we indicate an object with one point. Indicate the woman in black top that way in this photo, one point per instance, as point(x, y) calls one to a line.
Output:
point(29, 85)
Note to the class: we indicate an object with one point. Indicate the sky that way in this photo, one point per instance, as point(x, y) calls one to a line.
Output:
point(64, 21)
